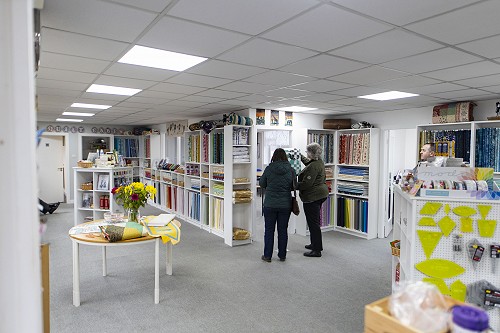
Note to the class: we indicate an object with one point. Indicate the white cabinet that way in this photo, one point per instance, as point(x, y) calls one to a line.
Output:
point(93, 195)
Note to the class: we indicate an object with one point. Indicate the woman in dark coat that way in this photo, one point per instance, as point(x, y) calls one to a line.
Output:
point(313, 191)
point(277, 180)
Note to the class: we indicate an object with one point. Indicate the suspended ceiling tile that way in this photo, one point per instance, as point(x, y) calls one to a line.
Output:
point(463, 25)
point(204, 99)
point(95, 98)
point(387, 46)
point(252, 17)
point(402, 12)
point(263, 53)
point(139, 72)
point(246, 87)
point(369, 75)
point(483, 81)
point(466, 71)
point(459, 94)
point(407, 82)
point(124, 82)
point(153, 5)
point(433, 60)
point(176, 88)
point(65, 75)
point(64, 42)
point(321, 86)
point(224, 94)
point(358, 91)
point(185, 104)
point(57, 92)
point(224, 69)
point(287, 93)
point(322, 97)
point(492, 89)
point(198, 80)
point(56, 84)
point(439, 87)
point(72, 63)
point(96, 18)
point(325, 28)
point(277, 78)
point(147, 100)
point(190, 38)
point(159, 94)
point(486, 47)
point(323, 66)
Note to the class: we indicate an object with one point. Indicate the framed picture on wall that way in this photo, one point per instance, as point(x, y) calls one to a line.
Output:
point(103, 183)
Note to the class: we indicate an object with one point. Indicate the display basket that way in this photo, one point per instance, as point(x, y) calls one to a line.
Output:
point(84, 164)
point(86, 186)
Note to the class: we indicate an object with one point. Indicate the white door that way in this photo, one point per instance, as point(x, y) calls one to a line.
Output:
point(50, 165)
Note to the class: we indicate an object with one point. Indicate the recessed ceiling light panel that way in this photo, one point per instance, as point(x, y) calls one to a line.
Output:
point(386, 96)
point(112, 90)
point(78, 114)
point(70, 120)
point(296, 108)
point(150, 57)
point(90, 106)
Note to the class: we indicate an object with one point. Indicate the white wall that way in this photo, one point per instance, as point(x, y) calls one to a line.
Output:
point(411, 118)
point(20, 281)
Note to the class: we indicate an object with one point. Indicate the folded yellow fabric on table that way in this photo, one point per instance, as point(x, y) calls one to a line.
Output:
point(169, 233)
point(123, 231)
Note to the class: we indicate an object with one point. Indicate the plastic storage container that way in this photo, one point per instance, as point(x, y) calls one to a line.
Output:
point(467, 319)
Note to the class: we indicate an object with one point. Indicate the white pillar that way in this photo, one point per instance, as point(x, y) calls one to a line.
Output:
point(20, 283)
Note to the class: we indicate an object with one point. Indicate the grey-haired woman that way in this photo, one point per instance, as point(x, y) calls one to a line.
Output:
point(313, 192)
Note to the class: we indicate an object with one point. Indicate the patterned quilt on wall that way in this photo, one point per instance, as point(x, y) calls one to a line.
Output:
point(294, 159)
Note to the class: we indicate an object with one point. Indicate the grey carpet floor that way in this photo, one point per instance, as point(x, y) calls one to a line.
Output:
point(216, 288)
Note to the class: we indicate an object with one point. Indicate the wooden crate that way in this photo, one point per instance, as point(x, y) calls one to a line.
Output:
point(379, 320)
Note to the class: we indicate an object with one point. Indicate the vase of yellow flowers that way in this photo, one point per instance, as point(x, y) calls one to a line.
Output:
point(132, 197)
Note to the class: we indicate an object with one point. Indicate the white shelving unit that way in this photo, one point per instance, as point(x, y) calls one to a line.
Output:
point(87, 202)
point(128, 146)
point(365, 161)
point(330, 213)
point(202, 194)
point(239, 215)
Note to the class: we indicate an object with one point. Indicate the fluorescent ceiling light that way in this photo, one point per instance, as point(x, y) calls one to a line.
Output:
point(78, 114)
point(388, 95)
point(296, 108)
point(149, 57)
point(112, 90)
point(90, 106)
point(70, 120)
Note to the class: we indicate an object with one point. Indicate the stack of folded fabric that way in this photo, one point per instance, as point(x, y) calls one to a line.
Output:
point(241, 154)
point(242, 196)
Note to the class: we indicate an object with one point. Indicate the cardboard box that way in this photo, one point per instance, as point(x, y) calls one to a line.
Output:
point(379, 320)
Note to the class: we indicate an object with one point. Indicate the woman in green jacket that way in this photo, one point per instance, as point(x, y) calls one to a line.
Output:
point(277, 180)
point(313, 192)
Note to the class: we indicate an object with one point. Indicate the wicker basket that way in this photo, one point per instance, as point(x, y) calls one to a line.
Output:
point(86, 186)
point(84, 164)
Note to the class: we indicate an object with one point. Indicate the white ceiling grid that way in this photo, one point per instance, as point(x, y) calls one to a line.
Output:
point(266, 54)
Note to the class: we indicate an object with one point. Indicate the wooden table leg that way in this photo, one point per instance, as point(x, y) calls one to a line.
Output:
point(169, 258)
point(104, 266)
point(76, 274)
point(157, 270)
